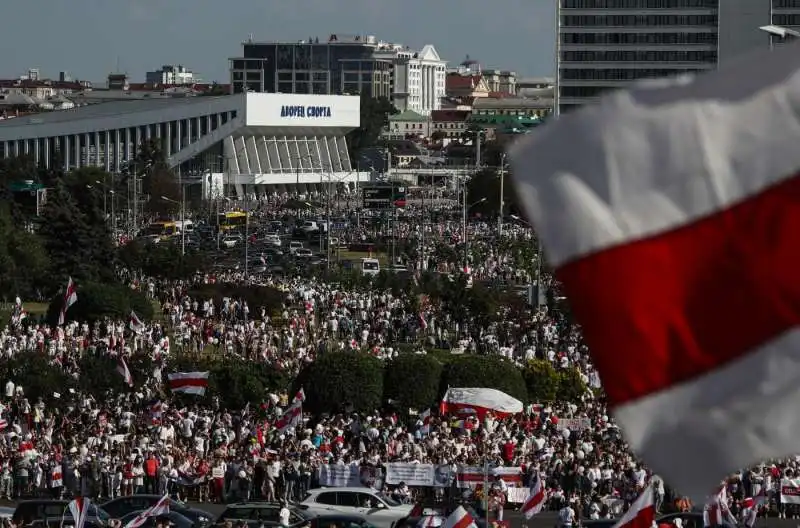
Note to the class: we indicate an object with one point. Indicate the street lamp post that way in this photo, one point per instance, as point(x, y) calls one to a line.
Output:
point(502, 181)
point(538, 256)
point(464, 226)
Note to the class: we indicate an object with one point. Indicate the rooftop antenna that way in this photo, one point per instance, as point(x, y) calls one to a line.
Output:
point(250, 38)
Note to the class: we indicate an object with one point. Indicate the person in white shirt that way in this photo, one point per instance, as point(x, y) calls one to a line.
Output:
point(566, 516)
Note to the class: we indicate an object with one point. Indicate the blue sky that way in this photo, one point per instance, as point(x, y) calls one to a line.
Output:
point(88, 38)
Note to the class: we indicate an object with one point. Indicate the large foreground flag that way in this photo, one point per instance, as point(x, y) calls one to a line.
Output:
point(536, 498)
point(188, 382)
point(70, 298)
point(79, 509)
point(642, 512)
point(460, 518)
point(159, 508)
point(671, 214)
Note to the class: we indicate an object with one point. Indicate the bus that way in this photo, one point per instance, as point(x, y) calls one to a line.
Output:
point(231, 220)
point(161, 228)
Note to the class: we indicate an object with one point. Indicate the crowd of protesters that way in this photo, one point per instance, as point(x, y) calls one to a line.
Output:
point(144, 442)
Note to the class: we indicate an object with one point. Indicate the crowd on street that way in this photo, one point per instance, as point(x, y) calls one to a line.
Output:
point(143, 441)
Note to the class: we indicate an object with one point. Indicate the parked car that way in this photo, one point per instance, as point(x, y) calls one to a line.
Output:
point(122, 506)
point(231, 241)
point(294, 245)
point(257, 514)
point(176, 519)
point(29, 511)
point(339, 521)
point(303, 253)
point(377, 508)
point(6, 512)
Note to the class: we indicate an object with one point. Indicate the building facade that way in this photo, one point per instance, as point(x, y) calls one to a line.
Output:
point(419, 77)
point(234, 143)
point(501, 81)
point(408, 123)
point(171, 75)
point(340, 64)
point(608, 44)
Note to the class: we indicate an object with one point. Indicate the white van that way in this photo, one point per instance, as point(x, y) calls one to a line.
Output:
point(370, 266)
point(186, 225)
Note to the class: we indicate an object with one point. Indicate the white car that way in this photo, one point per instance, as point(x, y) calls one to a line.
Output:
point(273, 240)
point(378, 509)
point(231, 241)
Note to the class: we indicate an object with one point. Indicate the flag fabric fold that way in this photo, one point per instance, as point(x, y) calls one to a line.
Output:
point(79, 509)
point(668, 213)
point(70, 298)
point(460, 518)
point(159, 508)
point(188, 382)
point(536, 499)
point(642, 512)
point(135, 323)
point(122, 368)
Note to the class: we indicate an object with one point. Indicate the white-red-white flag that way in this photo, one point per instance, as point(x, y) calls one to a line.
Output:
point(300, 396)
point(716, 511)
point(122, 368)
point(70, 298)
point(460, 518)
point(291, 418)
point(425, 418)
point(642, 512)
point(669, 213)
point(188, 382)
point(79, 509)
point(536, 498)
point(135, 323)
point(159, 508)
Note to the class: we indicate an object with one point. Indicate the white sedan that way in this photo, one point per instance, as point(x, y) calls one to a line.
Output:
point(377, 508)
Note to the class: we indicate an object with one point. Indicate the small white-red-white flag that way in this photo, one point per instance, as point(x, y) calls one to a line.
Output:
point(135, 324)
point(70, 298)
point(79, 508)
point(300, 396)
point(460, 518)
point(159, 508)
point(56, 480)
point(642, 512)
point(716, 511)
point(669, 213)
point(122, 368)
point(536, 498)
point(425, 418)
point(188, 382)
point(291, 418)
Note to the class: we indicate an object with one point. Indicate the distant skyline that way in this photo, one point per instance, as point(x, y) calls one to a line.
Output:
point(91, 38)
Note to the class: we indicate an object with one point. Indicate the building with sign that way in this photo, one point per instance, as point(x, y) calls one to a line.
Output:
point(228, 144)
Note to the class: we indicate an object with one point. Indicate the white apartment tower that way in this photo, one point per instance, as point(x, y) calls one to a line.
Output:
point(608, 44)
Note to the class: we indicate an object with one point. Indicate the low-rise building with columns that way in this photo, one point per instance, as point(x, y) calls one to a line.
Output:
point(242, 140)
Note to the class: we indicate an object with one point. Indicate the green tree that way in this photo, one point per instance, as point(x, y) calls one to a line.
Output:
point(491, 372)
point(68, 239)
point(542, 381)
point(339, 380)
point(412, 381)
point(375, 114)
point(97, 301)
point(157, 179)
point(23, 259)
point(570, 386)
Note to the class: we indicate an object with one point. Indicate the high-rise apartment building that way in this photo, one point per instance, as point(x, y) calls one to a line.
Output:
point(608, 44)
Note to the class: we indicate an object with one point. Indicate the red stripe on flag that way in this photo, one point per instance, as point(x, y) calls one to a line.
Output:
point(464, 522)
point(187, 382)
point(644, 518)
point(683, 303)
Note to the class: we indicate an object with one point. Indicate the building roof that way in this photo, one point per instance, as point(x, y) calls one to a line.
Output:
point(456, 81)
point(439, 116)
point(408, 116)
point(489, 103)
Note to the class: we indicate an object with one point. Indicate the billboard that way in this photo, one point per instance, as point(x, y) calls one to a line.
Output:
point(302, 110)
point(383, 196)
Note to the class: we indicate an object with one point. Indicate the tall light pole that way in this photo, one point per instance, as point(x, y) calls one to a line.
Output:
point(538, 257)
point(105, 190)
point(464, 226)
point(502, 181)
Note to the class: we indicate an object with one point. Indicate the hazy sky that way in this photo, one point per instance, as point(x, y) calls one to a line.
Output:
point(88, 38)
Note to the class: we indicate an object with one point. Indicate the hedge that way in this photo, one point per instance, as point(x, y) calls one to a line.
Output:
point(37, 376)
point(491, 372)
point(341, 381)
point(570, 385)
point(412, 381)
point(256, 297)
point(98, 301)
point(542, 381)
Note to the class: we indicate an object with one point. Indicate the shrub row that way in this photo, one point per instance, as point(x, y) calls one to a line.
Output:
point(98, 301)
point(337, 381)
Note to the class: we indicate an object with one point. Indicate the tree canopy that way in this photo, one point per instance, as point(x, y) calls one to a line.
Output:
point(375, 114)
